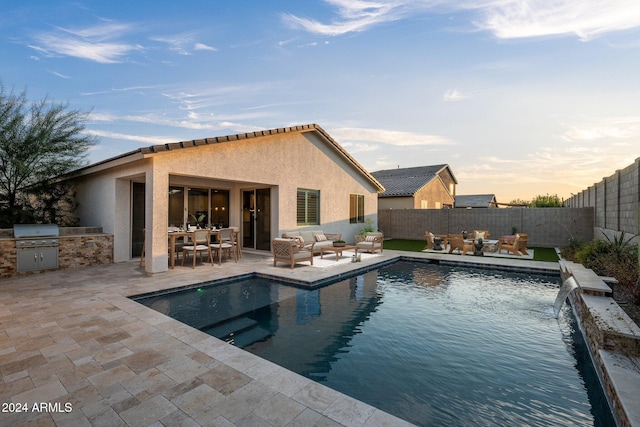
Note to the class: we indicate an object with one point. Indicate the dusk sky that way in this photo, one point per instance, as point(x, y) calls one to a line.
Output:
point(520, 98)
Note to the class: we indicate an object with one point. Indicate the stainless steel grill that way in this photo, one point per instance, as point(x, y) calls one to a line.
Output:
point(37, 246)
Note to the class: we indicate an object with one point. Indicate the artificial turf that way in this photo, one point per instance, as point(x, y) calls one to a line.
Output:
point(539, 254)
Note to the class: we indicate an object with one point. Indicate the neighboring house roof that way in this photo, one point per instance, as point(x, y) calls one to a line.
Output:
point(476, 201)
point(154, 149)
point(406, 182)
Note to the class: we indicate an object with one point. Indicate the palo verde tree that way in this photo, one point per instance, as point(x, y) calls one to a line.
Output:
point(39, 141)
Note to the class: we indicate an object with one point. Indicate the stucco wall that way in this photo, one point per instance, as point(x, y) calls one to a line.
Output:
point(395, 203)
point(433, 192)
point(282, 162)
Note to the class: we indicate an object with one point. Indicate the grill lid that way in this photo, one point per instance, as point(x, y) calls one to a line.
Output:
point(26, 231)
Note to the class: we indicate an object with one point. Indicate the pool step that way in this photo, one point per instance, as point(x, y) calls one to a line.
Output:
point(240, 331)
point(233, 326)
point(248, 337)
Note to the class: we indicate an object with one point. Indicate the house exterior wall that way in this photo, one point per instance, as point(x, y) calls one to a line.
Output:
point(104, 200)
point(434, 192)
point(283, 162)
point(449, 182)
point(395, 203)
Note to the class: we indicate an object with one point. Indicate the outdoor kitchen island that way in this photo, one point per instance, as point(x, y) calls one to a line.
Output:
point(76, 247)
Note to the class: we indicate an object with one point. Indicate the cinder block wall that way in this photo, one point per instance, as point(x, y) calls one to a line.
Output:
point(547, 227)
point(616, 200)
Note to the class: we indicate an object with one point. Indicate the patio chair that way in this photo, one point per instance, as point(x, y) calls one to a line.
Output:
point(457, 242)
point(431, 243)
point(198, 242)
point(518, 247)
point(225, 242)
point(370, 242)
point(290, 251)
point(480, 234)
point(236, 232)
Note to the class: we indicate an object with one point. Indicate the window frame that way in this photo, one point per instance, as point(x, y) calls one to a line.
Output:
point(309, 201)
point(356, 208)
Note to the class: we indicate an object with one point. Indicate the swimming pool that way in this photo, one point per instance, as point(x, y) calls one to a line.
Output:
point(435, 345)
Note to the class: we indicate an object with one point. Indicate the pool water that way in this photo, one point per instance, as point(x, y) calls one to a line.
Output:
point(434, 345)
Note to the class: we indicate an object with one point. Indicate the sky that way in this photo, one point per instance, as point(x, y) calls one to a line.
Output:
point(520, 98)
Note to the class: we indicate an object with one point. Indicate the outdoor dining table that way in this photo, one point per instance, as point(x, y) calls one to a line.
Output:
point(172, 242)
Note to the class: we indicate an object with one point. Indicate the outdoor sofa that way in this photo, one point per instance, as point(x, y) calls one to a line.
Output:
point(320, 238)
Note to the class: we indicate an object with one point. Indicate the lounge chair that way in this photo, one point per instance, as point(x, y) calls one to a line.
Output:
point(370, 242)
point(288, 250)
point(518, 247)
point(431, 243)
point(457, 242)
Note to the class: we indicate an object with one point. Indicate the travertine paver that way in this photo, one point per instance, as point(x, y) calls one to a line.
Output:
point(73, 341)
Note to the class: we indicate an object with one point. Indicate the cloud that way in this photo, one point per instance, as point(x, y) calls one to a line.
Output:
point(202, 46)
point(390, 137)
point(183, 43)
point(97, 43)
point(57, 74)
point(453, 95)
point(506, 19)
point(611, 128)
point(353, 16)
point(533, 18)
point(151, 140)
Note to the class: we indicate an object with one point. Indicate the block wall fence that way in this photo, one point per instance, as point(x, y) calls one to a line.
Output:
point(615, 201)
point(547, 227)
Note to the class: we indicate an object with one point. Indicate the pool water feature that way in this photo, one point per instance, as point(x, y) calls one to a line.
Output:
point(434, 345)
point(567, 287)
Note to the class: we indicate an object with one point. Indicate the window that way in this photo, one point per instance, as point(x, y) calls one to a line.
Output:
point(356, 208)
point(424, 204)
point(308, 207)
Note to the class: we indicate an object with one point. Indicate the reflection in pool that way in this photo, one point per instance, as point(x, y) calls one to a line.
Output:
point(434, 345)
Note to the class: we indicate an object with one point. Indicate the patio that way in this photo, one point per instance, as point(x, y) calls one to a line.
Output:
point(73, 337)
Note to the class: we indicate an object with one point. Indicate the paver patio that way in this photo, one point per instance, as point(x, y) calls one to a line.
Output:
point(73, 341)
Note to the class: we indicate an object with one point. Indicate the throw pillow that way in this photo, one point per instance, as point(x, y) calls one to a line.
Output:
point(370, 239)
point(479, 235)
point(432, 236)
point(320, 237)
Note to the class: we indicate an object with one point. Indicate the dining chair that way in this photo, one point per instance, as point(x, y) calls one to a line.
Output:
point(236, 238)
point(198, 242)
point(225, 242)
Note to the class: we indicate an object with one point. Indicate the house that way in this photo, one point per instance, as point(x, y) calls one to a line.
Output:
point(423, 187)
point(265, 183)
point(476, 201)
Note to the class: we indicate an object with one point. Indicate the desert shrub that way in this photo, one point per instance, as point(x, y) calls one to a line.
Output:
point(574, 246)
point(616, 257)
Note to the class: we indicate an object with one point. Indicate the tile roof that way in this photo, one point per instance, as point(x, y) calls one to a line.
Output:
point(476, 201)
point(155, 149)
point(406, 181)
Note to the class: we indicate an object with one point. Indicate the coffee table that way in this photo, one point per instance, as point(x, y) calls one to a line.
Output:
point(338, 250)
